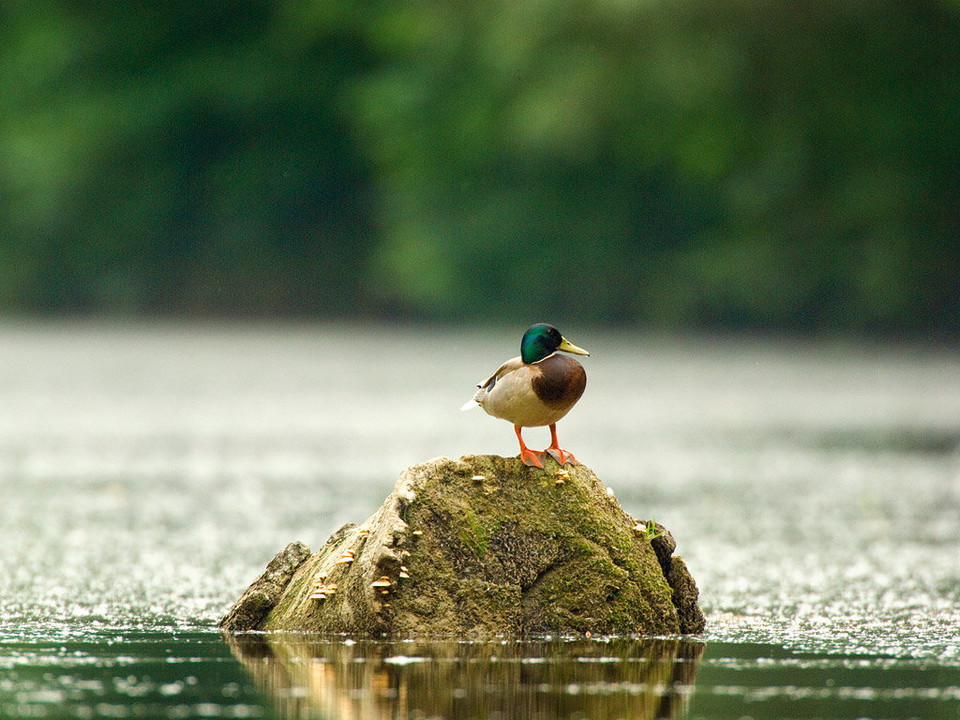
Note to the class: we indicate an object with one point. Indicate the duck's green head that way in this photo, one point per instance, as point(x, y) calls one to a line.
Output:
point(542, 340)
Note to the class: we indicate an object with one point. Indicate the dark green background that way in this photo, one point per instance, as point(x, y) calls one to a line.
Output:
point(700, 164)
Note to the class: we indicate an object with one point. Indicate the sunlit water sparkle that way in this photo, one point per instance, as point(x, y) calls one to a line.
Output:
point(148, 474)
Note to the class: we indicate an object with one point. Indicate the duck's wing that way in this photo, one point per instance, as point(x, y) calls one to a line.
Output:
point(508, 367)
point(487, 385)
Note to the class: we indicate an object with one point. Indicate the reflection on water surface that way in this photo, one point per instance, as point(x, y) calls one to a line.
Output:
point(367, 680)
point(200, 675)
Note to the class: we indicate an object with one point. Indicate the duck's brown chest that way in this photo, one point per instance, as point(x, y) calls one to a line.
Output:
point(559, 381)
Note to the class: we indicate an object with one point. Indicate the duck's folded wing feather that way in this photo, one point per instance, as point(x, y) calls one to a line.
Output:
point(487, 385)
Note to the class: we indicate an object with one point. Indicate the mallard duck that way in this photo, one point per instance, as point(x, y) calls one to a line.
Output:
point(536, 389)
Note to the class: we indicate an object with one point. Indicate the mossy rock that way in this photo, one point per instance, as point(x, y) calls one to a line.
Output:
point(486, 547)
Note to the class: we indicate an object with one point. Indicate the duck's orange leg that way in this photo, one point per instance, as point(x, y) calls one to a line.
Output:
point(528, 456)
point(556, 452)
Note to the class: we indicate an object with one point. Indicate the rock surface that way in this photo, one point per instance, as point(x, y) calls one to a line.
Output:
point(262, 596)
point(482, 547)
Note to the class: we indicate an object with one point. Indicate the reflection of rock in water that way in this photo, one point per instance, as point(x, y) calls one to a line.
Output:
point(546, 679)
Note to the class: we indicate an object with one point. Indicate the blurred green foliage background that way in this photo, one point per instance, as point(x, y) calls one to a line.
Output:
point(694, 164)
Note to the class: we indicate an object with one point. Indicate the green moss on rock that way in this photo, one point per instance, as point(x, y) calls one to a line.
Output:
point(488, 547)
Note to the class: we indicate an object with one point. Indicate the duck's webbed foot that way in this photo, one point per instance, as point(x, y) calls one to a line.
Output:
point(531, 458)
point(564, 457)
point(528, 457)
point(556, 452)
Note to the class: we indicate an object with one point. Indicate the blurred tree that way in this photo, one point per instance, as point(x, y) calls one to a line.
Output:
point(699, 163)
point(184, 158)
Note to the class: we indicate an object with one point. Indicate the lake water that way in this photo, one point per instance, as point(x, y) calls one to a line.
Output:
point(149, 473)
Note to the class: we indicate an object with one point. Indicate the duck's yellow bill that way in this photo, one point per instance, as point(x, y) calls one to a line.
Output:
point(569, 347)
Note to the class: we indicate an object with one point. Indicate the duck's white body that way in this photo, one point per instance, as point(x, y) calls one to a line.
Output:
point(513, 392)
